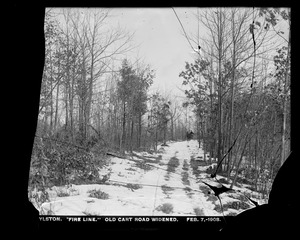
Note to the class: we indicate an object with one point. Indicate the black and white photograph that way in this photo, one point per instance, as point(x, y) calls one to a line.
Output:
point(161, 112)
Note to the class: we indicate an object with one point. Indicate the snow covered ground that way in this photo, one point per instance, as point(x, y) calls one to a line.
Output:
point(164, 183)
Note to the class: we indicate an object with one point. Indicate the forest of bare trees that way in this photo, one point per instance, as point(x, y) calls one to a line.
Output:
point(95, 101)
point(239, 86)
point(87, 104)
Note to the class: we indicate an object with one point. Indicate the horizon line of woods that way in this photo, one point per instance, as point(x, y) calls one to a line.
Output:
point(89, 106)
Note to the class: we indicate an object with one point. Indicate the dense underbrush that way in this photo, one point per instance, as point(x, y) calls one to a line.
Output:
point(56, 163)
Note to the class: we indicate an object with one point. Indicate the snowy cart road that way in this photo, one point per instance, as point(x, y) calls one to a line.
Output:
point(146, 184)
point(180, 189)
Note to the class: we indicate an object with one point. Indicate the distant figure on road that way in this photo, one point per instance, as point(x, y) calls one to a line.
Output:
point(189, 135)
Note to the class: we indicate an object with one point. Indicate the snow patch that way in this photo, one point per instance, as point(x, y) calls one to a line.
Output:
point(137, 190)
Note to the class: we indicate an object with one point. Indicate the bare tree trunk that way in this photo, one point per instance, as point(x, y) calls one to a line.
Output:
point(89, 99)
point(172, 128)
point(67, 105)
point(220, 43)
point(51, 96)
point(71, 110)
point(123, 128)
point(131, 135)
point(139, 131)
point(156, 137)
point(232, 95)
point(255, 161)
point(239, 163)
point(211, 91)
point(283, 140)
point(56, 106)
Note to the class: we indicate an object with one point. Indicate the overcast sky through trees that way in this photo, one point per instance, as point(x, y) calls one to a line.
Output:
point(160, 41)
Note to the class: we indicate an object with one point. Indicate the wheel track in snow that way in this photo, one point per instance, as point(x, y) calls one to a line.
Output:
point(179, 185)
point(186, 175)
